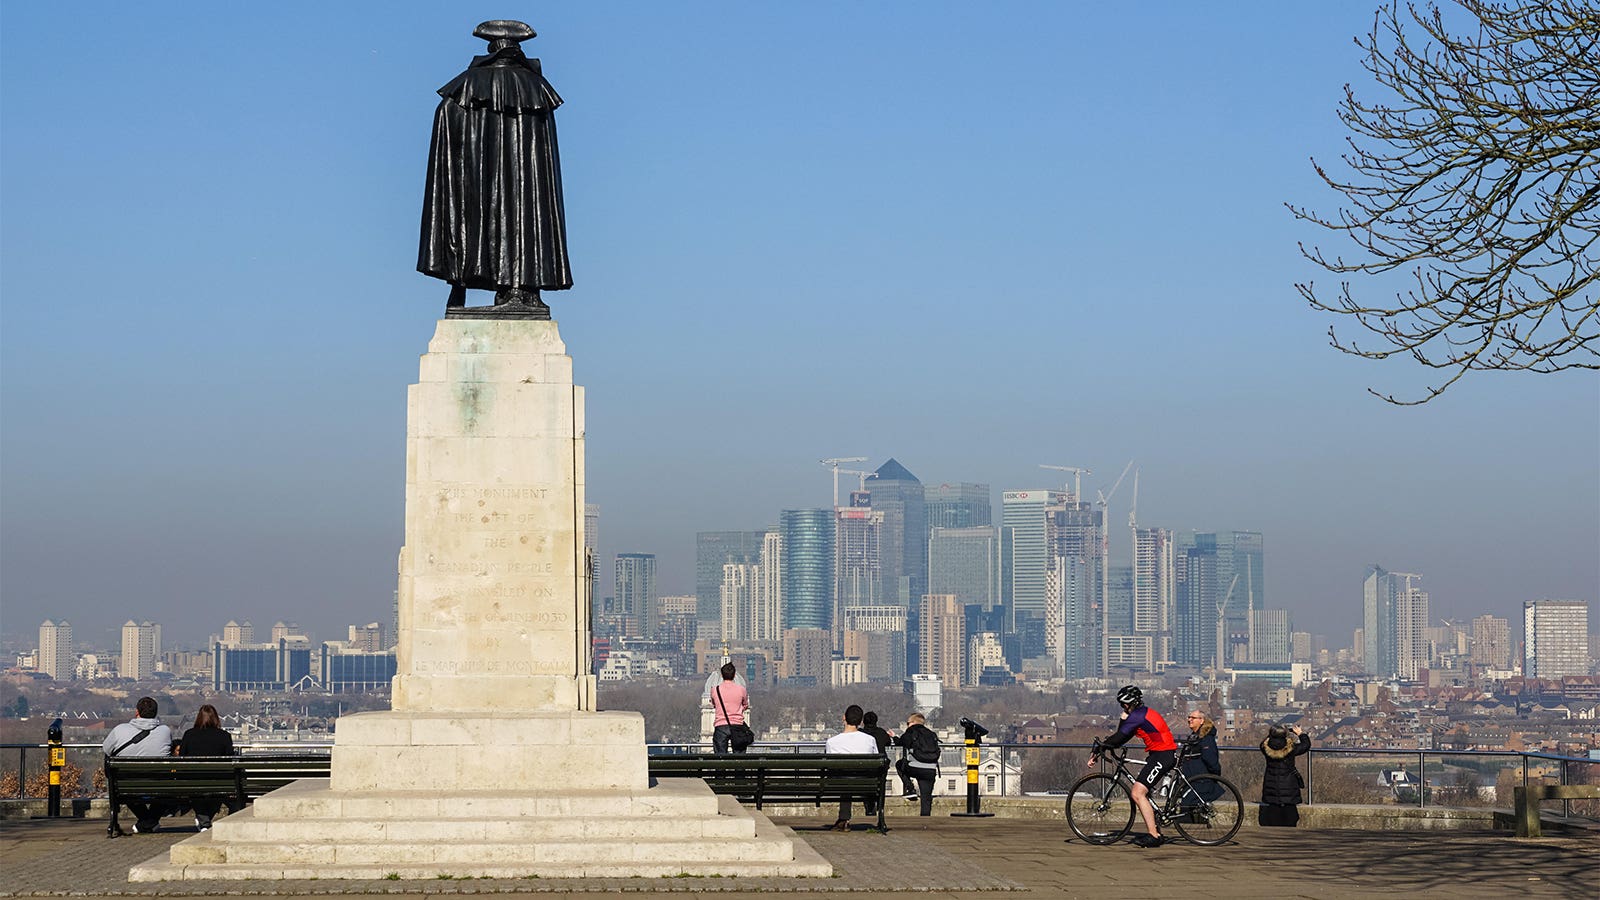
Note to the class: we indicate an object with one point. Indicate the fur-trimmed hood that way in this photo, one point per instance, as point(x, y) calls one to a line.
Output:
point(1205, 730)
point(1284, 752)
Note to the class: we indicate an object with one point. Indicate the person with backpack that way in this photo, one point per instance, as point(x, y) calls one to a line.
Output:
point(143, 735)
point(921, 761)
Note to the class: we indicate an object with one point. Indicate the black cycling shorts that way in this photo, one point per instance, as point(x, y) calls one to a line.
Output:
point(1156, 764)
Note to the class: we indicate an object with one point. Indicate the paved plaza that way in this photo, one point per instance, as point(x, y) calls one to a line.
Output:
point(938, 857)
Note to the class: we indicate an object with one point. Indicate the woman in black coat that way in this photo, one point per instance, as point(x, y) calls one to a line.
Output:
point(206, 738)
point(1280, 786)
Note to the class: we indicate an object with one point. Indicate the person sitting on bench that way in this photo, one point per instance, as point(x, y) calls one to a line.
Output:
point(143, 735)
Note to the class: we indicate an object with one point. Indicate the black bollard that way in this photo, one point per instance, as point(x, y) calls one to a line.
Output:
point(975, 733)
point(58, 758)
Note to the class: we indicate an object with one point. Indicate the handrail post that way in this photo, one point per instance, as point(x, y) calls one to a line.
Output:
point(1566, 802)
point(22, 772)
point(1311, 767)
point(1422, 779)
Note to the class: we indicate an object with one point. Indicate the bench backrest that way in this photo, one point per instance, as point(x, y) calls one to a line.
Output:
point(775, 777)
point(240, 777)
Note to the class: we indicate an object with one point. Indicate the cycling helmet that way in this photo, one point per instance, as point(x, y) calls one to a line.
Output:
point(1130, 695)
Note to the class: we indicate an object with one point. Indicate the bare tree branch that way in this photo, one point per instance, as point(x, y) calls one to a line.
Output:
point(1477, 175)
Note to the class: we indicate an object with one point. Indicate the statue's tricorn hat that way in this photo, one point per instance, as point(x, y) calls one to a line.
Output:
point(504, 30)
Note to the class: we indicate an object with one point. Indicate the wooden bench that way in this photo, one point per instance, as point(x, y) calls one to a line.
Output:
point(767, 778)
point(234, 780)
point(1526, 801)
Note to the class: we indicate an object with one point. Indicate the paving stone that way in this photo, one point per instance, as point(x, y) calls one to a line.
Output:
point(937, 858)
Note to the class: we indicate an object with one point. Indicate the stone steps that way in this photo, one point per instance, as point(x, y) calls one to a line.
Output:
point(246, 827)
point(565, 851)
point(305, 830)
point(771, 852)
point(671, 798)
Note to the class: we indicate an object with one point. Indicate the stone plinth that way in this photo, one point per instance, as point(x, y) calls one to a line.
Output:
point(410, 751)
point(494, 594)
point(493, 761)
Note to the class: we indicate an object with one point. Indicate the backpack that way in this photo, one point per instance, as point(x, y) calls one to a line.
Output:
point(924, 745)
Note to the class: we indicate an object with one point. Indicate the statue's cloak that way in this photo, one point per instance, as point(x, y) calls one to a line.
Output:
point(492, 218)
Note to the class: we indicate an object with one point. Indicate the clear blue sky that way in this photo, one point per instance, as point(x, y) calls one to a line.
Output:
point(975, 237)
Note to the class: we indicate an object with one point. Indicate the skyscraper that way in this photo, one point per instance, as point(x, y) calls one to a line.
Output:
point(141, 648)
point(1076, 530)
point(965, 562)
point(1273, 644)
point(1072, 624)
point(741, 585)
point(943, 639)
point(1555, 636)
point(713, 550)
point(899, 496)
point(56, 656)
point(1491, 642)
point(857, 556)
point(1026, 514)
point(769, 597)
point(635, 597)
point(591, 540)
point(238, 634)
point(1195, 638)
point(806, 578)
point(1241, 554)
point(1394, 619)
point(1153, 589)
point(958, 505)
point(807, 656)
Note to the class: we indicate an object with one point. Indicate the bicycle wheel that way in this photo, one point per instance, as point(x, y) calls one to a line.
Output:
point(1099, 809)
point(1209, 822)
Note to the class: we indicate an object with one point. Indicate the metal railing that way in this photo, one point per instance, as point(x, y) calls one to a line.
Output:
point(1353, 775)
point(1361, 769)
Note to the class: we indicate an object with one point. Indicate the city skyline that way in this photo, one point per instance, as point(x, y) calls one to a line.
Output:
point(973, 240)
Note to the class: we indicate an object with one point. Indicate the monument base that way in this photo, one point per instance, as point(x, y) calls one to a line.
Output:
point(554, 795)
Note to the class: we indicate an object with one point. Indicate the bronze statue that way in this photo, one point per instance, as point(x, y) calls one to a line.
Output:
point(492, 218)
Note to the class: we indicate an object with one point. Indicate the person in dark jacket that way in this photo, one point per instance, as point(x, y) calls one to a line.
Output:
point(206, 738)
point(1201, 756)
point(921, 761)
point(1280, 786)
point(869, 725)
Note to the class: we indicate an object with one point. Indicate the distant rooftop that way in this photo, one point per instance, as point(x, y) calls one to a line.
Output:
point(893, 471)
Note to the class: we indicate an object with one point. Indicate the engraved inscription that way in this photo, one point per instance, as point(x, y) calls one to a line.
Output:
point(494, 493)
point(450, 567)
point(519, 617)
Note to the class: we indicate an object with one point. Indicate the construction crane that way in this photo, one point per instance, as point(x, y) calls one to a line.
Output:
point(862, 476)
point(1104, 501)
point(1077, 478)
point(833, 463)
point(1133, 508)
point(1222, 631)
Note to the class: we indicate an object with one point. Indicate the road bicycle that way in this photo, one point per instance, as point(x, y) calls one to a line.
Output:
point(1205, 809)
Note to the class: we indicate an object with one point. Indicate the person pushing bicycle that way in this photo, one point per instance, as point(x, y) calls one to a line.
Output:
point(1161, 753)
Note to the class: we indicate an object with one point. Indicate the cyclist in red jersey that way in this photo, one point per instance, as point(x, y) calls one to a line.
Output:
point(1161, 754)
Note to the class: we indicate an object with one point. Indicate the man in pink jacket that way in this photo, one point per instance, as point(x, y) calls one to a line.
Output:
point(729, 700)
